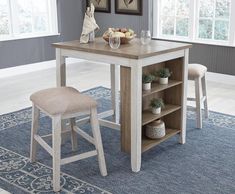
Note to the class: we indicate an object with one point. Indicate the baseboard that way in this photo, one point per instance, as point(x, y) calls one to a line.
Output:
point(23, 69)
point(221, 78)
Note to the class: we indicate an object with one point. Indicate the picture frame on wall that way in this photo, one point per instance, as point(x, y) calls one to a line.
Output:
point(129, 7)
point(100, 5)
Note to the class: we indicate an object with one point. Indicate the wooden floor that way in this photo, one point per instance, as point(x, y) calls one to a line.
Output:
point(15, 90)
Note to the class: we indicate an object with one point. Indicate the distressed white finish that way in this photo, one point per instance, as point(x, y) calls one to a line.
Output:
point(115, 74)
point(135, 66)
point(200, 98)
point(136, 118)
point(34, 128)
point(184, 98)
point(55, 150)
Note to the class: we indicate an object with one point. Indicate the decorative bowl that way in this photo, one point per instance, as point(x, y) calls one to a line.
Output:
point(124, 40)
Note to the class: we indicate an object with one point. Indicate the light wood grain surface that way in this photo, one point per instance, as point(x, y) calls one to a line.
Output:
point(133, 50)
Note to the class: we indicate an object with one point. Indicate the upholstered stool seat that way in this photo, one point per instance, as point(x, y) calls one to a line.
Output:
point(197, 73)
point(196, 70)
point(63, 100)
point(65, 103)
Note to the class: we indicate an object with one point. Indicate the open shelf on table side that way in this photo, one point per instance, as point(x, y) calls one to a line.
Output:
point(150, 143)
point(148, 116)
point(156, 87)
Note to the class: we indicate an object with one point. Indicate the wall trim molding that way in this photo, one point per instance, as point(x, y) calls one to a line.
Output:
point(29, 68)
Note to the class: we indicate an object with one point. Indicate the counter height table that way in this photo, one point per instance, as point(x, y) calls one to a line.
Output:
point(135, 59)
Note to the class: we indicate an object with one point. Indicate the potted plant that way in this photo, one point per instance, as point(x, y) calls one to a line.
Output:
point(157, 104)
point(147, 80)
point(163, 75)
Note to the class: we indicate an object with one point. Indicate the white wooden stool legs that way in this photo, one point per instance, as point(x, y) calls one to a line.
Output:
point(201, 99)
point(73, 134)
point(198, 102)
point(56, 151)
point(204, 92)
point(98, 141)
point(34, 128)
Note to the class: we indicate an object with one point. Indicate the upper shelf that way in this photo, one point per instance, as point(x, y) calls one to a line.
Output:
point(149, 117)
point(156, 87)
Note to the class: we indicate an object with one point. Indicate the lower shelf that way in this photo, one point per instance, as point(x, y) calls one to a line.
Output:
point(150, 143)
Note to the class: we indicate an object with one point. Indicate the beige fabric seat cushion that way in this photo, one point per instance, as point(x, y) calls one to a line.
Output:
point(63, 100)
point(196, 71)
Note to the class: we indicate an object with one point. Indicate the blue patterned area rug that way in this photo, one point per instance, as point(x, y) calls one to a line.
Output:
point(205, 164)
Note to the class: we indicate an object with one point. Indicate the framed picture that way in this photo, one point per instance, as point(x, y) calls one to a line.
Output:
point(100, 5)
point(130, 7)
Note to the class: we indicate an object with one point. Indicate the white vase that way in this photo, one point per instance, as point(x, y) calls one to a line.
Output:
point(147, 86)
point(156, 130)
point(156, 111)
point(163, 80)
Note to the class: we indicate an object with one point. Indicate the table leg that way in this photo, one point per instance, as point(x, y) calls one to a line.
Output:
point(184, 98)
point(136, 116)
point(115, 81)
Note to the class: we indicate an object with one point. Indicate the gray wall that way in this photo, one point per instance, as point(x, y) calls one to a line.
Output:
point(137, 23)
point(217, 58)
point(26, 51)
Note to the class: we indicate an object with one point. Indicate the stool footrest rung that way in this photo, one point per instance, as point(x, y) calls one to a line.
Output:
point(50, 135)
point(43, 144)
point(84, 135)
point(78, 157)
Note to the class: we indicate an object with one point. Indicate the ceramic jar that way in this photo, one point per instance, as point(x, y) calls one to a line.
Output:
point(155, 130)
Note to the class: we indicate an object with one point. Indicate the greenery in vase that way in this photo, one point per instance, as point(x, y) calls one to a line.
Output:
point(163, 73)
point(157, 103)
point(147, 78)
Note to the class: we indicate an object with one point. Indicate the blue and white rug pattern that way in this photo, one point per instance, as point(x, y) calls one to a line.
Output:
point(36, 177)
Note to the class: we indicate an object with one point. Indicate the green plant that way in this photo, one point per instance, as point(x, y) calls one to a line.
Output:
point(157, 103)
point(147, 78)
point(163, 73)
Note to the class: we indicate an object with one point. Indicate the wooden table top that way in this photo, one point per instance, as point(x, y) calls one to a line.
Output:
point(133, 50)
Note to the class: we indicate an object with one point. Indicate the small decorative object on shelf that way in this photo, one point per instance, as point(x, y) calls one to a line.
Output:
point(156, 130)
point(147, 80)
point(163, 75)
point(157, 104)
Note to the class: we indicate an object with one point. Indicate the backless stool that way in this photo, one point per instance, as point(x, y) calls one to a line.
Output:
point(197, 73)
point(65, 103)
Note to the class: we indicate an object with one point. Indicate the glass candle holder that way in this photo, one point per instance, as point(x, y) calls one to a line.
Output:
point(114, 41)
point(145, 37)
